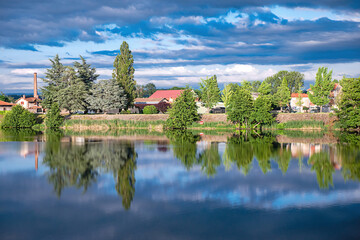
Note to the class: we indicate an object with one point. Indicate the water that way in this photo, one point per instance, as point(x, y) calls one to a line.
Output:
point(179, 187)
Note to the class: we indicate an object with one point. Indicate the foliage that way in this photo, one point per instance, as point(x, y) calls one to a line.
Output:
point(261, 111)
point(299, 101)
point(151, 109)
point(4, 98)
point(53, 118)
point(163, 107)
point(349, 105)
point(265, 88)
point(227, 92)
point(54, 80)
point(183, 111)
point(324, 170)
point(295, 79)
point(18, 117)
point(210, 159)
point(145, 91)
point(85, 73)
point(123, 73)
point(210, 92)
point(240, 107)
point(283, 94)
point(106, 95)
point(68, 86)
point(319, 94)
point(255, 86)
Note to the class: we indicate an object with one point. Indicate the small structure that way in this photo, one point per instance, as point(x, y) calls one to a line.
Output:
point(170, 95)
point(5, 106)
point(304, 100)
point(161, 104)
point(31, 103)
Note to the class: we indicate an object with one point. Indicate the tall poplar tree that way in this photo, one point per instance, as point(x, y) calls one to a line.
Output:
point(283, 96)
point(210, 92)
point(319, 94)
point(123, 73)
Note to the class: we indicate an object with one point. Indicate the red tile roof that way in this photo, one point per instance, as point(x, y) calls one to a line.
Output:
point(2, 103)
point(167, 94)
point(297, 95)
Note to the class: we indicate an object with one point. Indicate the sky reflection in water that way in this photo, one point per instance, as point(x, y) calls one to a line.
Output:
point(162, 185)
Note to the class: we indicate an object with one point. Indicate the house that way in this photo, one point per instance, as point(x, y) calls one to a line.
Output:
point(304, 100)
point(170, 95)
point(31, 103)
point(161, 104)
point(5, 106)
point(333, 96)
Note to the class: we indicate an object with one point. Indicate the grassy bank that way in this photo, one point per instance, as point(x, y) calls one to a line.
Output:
point(105, 125)
point(298, 125)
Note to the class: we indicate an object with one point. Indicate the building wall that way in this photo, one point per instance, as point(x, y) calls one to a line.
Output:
point(5, 108)
point(305, 102)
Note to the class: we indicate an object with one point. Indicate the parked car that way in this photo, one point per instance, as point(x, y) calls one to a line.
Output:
point(218, 110)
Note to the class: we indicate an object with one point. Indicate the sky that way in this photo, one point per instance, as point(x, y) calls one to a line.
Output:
point(175, 43)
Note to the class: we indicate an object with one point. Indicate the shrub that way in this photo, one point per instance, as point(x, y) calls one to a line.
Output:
point(151, 109)
point(18, 117)
point(183, 111)
point(53, 118)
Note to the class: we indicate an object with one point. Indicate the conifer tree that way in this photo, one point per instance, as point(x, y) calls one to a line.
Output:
point(54, 78)
point(319, 94)
point(72, 97)
point(261, 112)
point(210, 92)
point(85, 73)
point(227, 92)
point(282, 97)
point(106, 95)
point(299, 101)
point(349, 106)
point(183, 111)
point(240, 107)
point(123, 73)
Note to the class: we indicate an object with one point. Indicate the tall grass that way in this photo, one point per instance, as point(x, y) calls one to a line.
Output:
point(296, 125)
point(113, 123)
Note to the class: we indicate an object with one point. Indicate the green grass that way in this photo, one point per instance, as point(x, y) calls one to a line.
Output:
point(214, 125)
point(297, 124)
point(114, 123)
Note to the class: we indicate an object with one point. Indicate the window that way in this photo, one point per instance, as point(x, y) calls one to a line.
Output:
point(22, 103)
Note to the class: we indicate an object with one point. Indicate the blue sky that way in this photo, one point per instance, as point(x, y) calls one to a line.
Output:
point(179, 42)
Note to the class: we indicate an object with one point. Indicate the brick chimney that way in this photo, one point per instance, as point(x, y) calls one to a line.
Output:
point(35, 86)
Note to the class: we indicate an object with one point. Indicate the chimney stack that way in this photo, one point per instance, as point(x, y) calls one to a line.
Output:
point(35, 86)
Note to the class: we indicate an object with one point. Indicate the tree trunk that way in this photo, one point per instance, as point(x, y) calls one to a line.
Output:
point(321, 108)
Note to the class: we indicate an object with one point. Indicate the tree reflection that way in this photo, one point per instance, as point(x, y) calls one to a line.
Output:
point(283, 158)
point(184, 147)
point(324, 170)
point(349, 156)
point(210, 159)
point(79, 165)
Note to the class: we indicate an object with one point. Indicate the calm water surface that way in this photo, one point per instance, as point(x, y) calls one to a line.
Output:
point(181, 187)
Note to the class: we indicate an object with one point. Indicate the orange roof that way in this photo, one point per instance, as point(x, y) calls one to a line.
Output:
point(2, 103)
point(167, 94)
point(297, 95)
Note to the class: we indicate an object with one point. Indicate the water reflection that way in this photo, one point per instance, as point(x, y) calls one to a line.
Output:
point(79, 162)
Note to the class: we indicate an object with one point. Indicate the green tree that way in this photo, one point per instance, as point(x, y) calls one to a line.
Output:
point(53, 119)
point(240, 107)
point(4, 98)
point(149, 89)
point(349, 105)
point(319, 94)
point(261, 111)
point(18, 117)
point(72, 96)
point(123, 73)
point(283, 95)
point(54, 80)
point(86, 73)
point(106, 95)
point(265, 88)
point(151, 109)
point(210, 92)
point(299, 101)
point(227, 92)
point(294, 80)
point(255, 86)
point(183, 111)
